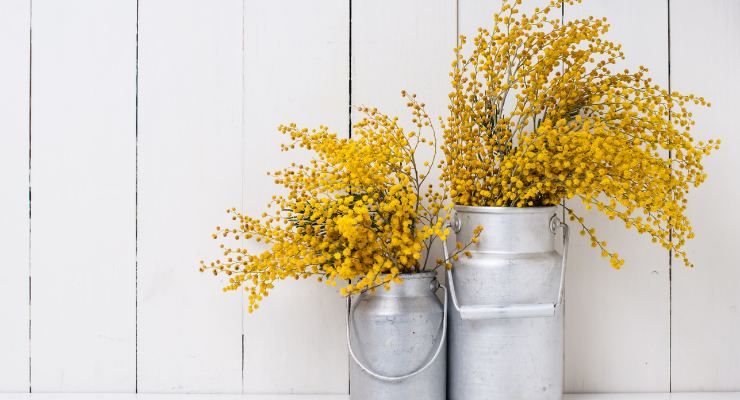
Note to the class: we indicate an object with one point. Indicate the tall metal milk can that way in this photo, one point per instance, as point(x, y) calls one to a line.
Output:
point(396, 340)
point(506, 326)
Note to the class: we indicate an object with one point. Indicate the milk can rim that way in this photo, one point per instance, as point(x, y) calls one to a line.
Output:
point(417, 275)
point(505, 210)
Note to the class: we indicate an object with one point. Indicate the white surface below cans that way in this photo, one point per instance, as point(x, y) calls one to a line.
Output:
point(395, 333)
point(498, 348)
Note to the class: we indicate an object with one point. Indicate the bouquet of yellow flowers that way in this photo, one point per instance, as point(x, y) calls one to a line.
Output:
point(538, 115)
point(361, 211)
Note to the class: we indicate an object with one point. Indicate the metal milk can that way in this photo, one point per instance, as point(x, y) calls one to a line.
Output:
point(506, 326)
point(396, 341)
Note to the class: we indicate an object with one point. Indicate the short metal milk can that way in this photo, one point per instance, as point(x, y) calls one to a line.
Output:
point(396, 340)
point(506, 326)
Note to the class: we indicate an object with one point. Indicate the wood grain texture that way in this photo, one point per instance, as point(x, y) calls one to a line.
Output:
point(296, 70)
point(14, 202)
point(83, 188)
point(617, 321)
point(189, 332)
point(705, 56)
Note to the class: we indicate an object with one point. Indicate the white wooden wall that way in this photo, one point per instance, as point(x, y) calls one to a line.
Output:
point(128, 127)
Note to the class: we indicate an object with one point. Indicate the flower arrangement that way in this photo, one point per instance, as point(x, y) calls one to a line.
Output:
point(538, 115)
point(361, 211)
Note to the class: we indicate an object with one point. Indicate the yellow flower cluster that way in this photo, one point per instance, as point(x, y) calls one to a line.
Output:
point(361, 211)
point(538, 114)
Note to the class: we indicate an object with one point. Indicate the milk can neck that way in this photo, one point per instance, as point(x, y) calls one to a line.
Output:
point(413, 284)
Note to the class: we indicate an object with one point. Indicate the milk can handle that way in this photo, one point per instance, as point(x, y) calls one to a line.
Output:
point(409, 375)
point(512, 310)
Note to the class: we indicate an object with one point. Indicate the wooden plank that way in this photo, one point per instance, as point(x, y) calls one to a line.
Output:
point(706, 299)
point(189, 332)
point(599, 312)
point(83, 183)
point(473, 14)
point(617, 321)
point(296, 70)
point(14, 202)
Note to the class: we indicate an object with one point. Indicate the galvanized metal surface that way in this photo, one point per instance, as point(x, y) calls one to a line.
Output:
point(397, 342)
point(506, 331)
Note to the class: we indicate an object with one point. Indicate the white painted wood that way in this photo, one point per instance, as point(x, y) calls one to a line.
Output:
point(296, 70)
point(617, 321)
point(472, 14)
point(705, 55)
point(83, 189)
point(14, 204)
point(402, 45)
point(107, 396)
point(189, 332)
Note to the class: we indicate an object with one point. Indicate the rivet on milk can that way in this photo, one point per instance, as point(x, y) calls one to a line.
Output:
point(506, 326)
point(396, 339)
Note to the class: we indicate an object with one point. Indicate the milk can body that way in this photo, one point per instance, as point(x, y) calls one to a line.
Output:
point(397, 342)
point(506, 328)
